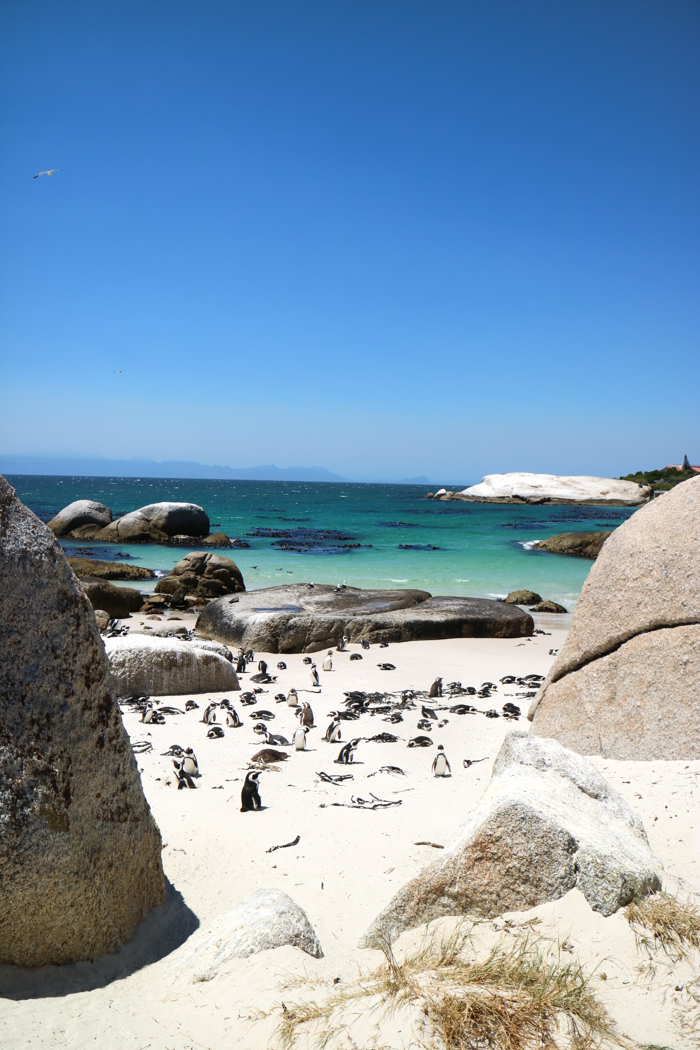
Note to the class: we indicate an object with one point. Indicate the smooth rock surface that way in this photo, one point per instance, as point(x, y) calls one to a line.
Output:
point(167, 666)
point(266, 919)
point(575, 544)
point(641, 702)
point(117, 601)
point(81, 512)
point(553, 488)
point(548, 607)
point(522, 598)
point(80, 853)
point(202, 574)
point(109, 570)
point(297, 618)
point(547, 822)
point(157, 522)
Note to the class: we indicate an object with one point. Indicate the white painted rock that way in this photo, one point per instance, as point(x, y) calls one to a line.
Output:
point(80, 512)
point(547, 822)
point(168, 666)
point(523, 485)
point(266, 919)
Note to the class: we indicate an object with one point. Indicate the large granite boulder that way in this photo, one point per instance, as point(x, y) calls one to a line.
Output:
point(546, 823)
point(117, 601)
point(523, 487)
point(646, 580)
point(202, 575)
point(575, 544)
point(156, 523)
point(80, 853)
point(81, 512)
point(168, 666)
point(109, 570)
point(266, 919)
point(300, 618)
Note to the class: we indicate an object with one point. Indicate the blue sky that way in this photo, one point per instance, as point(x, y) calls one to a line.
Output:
point(388, 237)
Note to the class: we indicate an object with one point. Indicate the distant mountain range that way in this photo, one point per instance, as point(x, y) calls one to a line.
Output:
point(148, 468)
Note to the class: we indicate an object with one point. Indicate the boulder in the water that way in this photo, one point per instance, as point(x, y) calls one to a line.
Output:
point(117, 601)
point(80, 513)
point(202, 574)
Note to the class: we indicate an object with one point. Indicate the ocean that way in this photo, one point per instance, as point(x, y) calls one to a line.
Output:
point(368, 535)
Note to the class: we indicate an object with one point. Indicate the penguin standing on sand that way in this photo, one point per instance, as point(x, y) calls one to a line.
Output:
point(184, 777)
point(292, 698)
point(299, 738)
point(262, 667)
point(306, 715)
point(315, 682)
point(333, 732)
point(440, 766)
point(328, 661)
point(250, 795)
point(346, 752)
point(240, 666)
point(341, 644)
point(436, 688)
point(190, 765)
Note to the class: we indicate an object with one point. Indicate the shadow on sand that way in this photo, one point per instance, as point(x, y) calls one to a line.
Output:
point(162, 931)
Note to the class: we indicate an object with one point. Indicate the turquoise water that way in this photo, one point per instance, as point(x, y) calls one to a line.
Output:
point(480, 553)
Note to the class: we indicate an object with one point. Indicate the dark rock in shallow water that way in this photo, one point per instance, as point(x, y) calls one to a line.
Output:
point(548, 607)
point(109, 570)
point(80, 854)
point(117, 601)
point(298, 618)
point(202, 575)
point(575, 544)
point(523, 598)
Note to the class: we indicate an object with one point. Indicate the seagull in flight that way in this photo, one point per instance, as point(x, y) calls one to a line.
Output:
point(51, 172)
point(118, 371)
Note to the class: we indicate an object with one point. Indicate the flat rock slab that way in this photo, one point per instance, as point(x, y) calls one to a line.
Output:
point(168, 666)
point(80, 853)
point(266, 919)
point(547, 822)
point(300, 619)
point(524, 487)
point(574, 544)
point(109, 570)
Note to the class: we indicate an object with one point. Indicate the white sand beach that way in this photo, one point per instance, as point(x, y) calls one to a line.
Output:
point(346, 867)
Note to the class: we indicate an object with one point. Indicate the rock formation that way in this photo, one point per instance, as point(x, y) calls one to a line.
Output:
point(80, 860)
point(109, 570)
point(168, 666)
point(157, 522)
point(117, 601)
point(575, 544)
point(522, 598)
point(202, 575)
point(266, 919)
point(625, 682)
point(302, 618)
point(547, 822)
point(550, 488)
point(81, 512)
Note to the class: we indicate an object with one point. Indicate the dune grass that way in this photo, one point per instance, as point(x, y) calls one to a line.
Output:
point(517, 997)
point(661, 920)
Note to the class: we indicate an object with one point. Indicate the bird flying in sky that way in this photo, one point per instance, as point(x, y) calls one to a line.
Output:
point(118, 371)
point(51, 172)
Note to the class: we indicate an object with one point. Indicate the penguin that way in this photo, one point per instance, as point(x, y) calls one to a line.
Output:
point(262, 667)
point(215, 732)
point(346, 752)
point(315, 681)
point(184, 779)
point(190, 765)
point(299, 738)
point(440, 766)
point(191, 706)
point(268, 754)
point(276, 738)
point(341, 644)
point(240, 665)
point(250, 795)
point(420, 741)
point(428, 713)
point(281, 666)
point(333, 731)
point(306, 715)
point(328, 661)
point(355, 656)
point(232, 719)
point(436, 688)
point(209, 715)
point(365, 643)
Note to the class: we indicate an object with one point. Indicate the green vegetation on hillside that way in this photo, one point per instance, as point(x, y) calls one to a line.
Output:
point(663, 479)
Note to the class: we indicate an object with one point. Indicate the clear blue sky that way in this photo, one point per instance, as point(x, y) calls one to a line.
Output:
point(387, 237)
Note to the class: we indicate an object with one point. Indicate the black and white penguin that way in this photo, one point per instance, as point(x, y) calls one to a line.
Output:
point(341, 644)
point(328, 661)
point(346, 752)
point(365, 643)
point(299, 738)
point(250, 795)
point(240, 664)
point(184, 778)
point(232, 719)
point(355, 656)
point(292, 698)
point(436, 688)
point(190, 765)
point(428, 712)
point(262, 667)
point(315, 681)
point(333, 732)
point(440, 766)
point(209, 715)
point(276, 739)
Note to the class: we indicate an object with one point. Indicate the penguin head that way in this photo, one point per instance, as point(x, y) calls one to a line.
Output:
point(440, 747)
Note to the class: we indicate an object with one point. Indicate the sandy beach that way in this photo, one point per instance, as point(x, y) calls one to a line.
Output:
point(347, 864)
